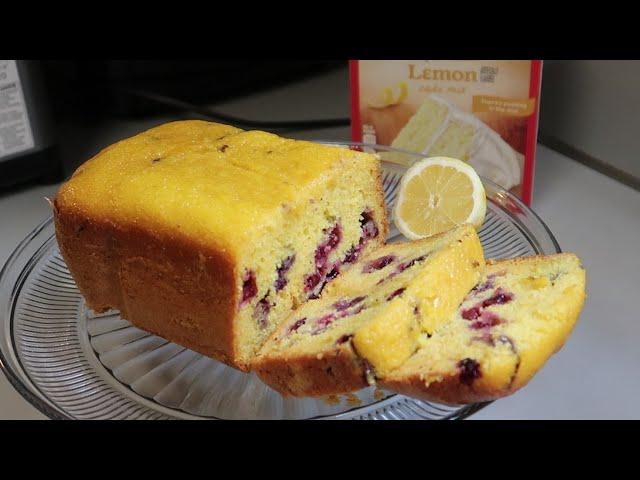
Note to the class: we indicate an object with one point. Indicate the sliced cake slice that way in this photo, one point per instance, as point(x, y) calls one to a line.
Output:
point(369, 320)
point(508, 326)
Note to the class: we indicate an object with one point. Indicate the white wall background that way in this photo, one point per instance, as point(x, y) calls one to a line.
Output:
point(594, 106)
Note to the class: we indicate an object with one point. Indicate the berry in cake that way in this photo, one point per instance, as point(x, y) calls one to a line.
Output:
point(249, 287)
point(282, 271)
point(469, 370)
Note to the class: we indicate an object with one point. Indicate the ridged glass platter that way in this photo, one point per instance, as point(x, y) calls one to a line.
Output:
point(71, 363)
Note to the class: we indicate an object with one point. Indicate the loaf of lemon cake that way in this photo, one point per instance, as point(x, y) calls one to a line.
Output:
point(368, 322)
point(508, 326)
point(440, 128)
point(208, 235)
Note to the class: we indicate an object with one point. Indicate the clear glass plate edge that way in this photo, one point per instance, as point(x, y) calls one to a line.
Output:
point(10, 281)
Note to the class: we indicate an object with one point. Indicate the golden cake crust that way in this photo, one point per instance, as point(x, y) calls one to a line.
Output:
point(115, 267)
point(338, 371)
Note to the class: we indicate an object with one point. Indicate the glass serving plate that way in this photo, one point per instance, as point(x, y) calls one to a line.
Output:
point(71, 363)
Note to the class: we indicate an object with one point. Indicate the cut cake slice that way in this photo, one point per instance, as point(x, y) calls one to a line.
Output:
point(369, 321)
point(508, 326)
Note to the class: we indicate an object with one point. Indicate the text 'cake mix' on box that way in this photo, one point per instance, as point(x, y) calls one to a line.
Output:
point(482, 111)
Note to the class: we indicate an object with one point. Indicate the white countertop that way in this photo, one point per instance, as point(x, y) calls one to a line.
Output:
point(593, 377)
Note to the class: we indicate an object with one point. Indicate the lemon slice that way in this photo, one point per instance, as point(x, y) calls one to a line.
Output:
point(437, 194)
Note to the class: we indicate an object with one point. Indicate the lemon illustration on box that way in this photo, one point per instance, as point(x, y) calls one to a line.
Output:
point(391, 96)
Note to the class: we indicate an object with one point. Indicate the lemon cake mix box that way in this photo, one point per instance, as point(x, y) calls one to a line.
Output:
point(484, 112)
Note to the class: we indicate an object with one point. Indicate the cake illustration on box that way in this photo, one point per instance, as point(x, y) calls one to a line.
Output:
point(439, 128)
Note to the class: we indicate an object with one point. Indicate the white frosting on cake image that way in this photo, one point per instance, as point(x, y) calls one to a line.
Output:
point(441, 128)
